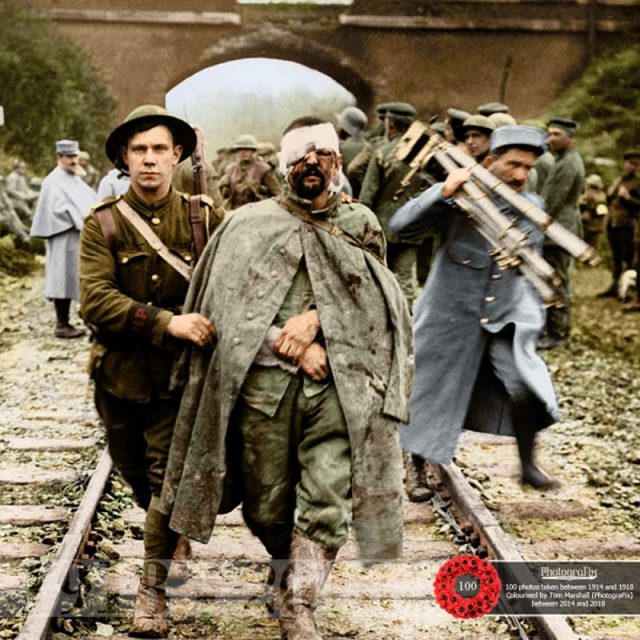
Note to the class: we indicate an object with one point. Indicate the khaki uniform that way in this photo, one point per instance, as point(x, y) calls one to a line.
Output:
point(183, 181)
point(248, 181)
point(593, 211)
point(381, 182)
point(622, 224)
point(127, 299)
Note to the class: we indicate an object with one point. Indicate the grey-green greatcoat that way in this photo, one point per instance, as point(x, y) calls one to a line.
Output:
point(561, 192)
point(240, 284)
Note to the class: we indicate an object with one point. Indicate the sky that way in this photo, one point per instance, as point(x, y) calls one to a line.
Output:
point(254, 95)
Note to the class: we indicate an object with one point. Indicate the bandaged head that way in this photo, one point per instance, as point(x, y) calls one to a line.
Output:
point(297, 143)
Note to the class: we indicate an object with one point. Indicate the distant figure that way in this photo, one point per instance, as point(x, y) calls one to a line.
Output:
point(351, 125)
point(593, 210)
point(65, 200)
point(561, 192)
point(115, 183)
point(622, 219)
point(477, 136)
point(92, 175)
point(22, 196)
point(10, 223)
point(248, 179)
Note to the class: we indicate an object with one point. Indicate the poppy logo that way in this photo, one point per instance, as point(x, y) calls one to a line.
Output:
point(467, 587)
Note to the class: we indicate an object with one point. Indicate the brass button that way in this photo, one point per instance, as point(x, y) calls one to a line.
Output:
point(149, 303)
point(490, 299)
point(155, 220)
point(124, 260)
point(249, 315)
point(260, 294)
point(188, 258)
point(466, 261)
point(274, 274)
point(484, 320)
point(282, 251)
point(155, 277)
point(496, 276)
point(236, 341)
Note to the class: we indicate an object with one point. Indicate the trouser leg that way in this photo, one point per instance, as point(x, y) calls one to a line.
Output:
point(139, 436)
point(299, 460)
point(559, 319)
point(402, 259)
point(525, 408)
point(62, 306)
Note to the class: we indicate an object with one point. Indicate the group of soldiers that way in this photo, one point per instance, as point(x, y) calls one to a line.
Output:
point(18, 196)
point(305, 289)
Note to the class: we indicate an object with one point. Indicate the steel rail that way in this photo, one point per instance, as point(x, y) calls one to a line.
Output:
point(494, 537)
point(37, 623)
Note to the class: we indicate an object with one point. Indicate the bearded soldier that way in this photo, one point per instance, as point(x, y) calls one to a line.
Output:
point(296, 410)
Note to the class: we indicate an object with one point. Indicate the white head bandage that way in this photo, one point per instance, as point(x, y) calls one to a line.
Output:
point(295, 144)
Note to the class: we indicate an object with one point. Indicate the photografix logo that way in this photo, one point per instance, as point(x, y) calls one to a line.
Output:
point(568, 573)
point(467, 587)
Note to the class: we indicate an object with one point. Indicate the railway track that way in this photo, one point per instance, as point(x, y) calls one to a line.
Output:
point(68, 527)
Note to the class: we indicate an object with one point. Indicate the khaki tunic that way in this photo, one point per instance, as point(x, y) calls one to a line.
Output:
point(127, 297)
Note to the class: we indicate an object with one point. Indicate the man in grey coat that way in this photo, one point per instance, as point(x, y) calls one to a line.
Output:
point(65, 200)
point(476, 326)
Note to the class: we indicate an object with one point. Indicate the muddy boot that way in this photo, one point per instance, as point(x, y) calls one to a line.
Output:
point(149, 619)
point(179, 571)
point(304, 578)
point(274, 590)
point(149, 616)
point(532, 475)
point(415, 479)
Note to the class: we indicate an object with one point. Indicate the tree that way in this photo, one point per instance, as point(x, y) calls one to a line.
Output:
point(48, 88)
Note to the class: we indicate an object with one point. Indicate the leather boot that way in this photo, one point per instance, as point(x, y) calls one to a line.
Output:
point(274, 591)
point(63, 328)
point(304, 578)
point(149, 617)
point(532, 475)
point(179, 571)
point(415, 480)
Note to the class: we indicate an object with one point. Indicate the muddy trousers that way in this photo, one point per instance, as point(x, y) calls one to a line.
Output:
point(296, 469)
point(139, 437)
point(402, 259)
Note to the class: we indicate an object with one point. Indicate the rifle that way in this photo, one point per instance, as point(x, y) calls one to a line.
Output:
point(198, 166)
point(420, 145)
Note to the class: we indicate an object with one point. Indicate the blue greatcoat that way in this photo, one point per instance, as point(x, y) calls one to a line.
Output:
point(467, 299)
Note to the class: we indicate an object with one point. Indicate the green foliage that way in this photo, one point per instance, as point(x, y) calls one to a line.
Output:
point(605, 100)
point(48, 88)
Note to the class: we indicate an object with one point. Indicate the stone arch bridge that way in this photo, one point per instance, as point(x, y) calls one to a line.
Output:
point(433, 53)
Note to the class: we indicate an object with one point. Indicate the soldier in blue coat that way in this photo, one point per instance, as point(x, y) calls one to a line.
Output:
point(475, 326)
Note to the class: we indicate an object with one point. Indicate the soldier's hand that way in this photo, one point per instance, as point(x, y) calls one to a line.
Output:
point(296, 335)
point(314, 362)
point(455, 179)
point(623, 193)
point(194, 327)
